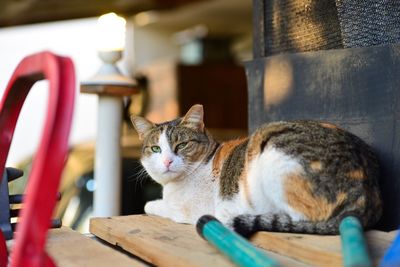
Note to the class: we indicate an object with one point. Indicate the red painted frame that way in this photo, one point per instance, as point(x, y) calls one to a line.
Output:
point(30, 237)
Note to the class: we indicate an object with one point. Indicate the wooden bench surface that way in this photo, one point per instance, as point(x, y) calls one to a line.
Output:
point(71, 249)
point(164, 243)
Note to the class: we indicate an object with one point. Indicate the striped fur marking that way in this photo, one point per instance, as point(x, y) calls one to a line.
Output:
point(229, 164)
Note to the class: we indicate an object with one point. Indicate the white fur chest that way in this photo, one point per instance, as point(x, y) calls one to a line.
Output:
point(192, 197)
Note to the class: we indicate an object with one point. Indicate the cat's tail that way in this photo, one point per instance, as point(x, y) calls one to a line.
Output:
point(247, 224)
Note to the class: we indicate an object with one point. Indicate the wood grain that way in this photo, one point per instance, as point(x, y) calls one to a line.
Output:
point(163, 242)
point(310, 249)
point(70, 249)
point(157, 240)
point(319, 250)
point(378, 243)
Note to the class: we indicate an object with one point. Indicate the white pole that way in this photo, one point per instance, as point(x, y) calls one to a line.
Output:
point(107, 170)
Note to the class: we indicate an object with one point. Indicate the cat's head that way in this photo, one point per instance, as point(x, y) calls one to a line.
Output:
point(174, 149)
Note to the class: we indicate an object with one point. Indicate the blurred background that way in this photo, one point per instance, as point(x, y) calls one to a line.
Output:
point(170, 46)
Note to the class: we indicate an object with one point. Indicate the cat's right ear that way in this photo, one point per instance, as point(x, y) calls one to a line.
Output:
point(194, 117)
point(141, 125)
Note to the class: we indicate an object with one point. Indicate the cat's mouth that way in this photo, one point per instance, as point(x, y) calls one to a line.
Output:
point(170, 174)
point(168, 171)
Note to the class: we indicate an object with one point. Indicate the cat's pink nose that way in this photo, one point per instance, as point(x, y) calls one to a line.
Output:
point(167, 162)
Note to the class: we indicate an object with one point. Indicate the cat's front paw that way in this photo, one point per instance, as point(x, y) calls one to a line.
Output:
point(224, 215)
point(155, 207)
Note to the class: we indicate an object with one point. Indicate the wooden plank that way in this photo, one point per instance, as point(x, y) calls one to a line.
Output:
point(35, 11)
point(310, 249)
point(70, 249)
point(163, 242)
point(157, 240)
point(319, 250)
point(378, 243)
point(283, 260)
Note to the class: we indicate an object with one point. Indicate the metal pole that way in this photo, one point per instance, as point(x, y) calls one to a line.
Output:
point(107, 171)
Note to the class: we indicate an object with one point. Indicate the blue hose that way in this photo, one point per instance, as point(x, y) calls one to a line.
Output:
point(235, 247)
point(354, 247)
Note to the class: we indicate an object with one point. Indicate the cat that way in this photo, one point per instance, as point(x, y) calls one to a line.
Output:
point(300, 176)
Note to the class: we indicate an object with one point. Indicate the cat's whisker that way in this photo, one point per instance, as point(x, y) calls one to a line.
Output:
point(138, 176)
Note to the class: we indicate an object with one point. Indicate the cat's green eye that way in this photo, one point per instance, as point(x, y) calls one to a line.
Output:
point(181, 145)
point(156, 149)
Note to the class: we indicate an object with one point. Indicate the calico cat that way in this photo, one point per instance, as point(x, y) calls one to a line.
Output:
point(301, 176)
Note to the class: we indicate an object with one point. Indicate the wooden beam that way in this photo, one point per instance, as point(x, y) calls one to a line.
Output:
point(34, 11)
point(165, 243)
point(70, 249)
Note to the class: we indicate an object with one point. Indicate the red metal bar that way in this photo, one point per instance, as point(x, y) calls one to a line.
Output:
point(3, 250)
point(43, 182)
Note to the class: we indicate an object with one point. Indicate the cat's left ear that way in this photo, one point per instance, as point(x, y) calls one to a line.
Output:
point(194, 117)
point(141, 125)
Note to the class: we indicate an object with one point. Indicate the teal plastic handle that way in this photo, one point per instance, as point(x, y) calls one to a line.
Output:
point(354, 247)
point(235, 247)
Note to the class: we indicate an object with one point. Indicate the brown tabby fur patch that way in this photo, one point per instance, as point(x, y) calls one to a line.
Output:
point(316, 165)
point(300, 196)
point(356, 174)
point(328, 125)
point(150, 140)
point(261, 137)
point(223, 152)
point(229, 163)
point(200, 144)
